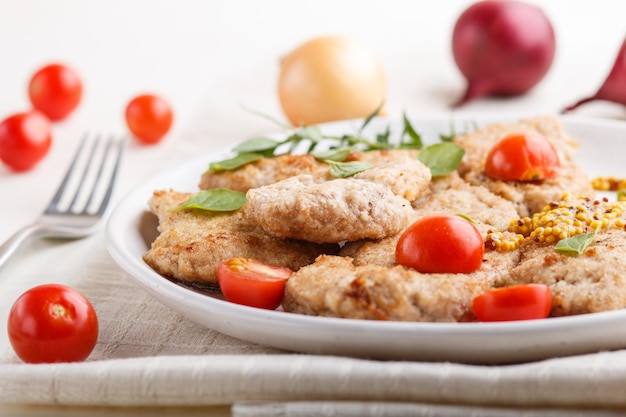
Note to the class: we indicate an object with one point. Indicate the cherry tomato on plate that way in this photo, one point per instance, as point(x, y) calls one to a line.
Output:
point(252, 283)
point(441, 243)
point(55, 90)
point(25, 138)
point(52, 323)
point(149, 117)
point(522, 157)
point(517, 302)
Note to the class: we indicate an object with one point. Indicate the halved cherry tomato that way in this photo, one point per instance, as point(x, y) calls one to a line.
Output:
point(441, 243)
point(25, 138)
point(55, 90)
point(522, 157)
point(517, 302)
point(253, 283)
point(52, 323)
point(149, 118)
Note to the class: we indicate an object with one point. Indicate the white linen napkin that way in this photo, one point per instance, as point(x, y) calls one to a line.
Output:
point(400, 409)
point(149, 355)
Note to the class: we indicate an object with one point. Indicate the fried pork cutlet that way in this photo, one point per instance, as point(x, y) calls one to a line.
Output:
point(488, 211)
point(372, 204)
point(192, 242)
point(331, 211)
point(529, 197)
point(587, 283)
point(333, 286)
point(267, 171)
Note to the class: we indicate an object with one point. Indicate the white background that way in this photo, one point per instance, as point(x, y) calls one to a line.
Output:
point(210, 58)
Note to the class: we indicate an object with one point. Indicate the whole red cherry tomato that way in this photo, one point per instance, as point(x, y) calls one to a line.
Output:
point(149, 118)
point(518, 302)
point(25, 138)
point(55, 90)
point(52, 323)
point(252, 283)
point(522, 157)
point(441, 243)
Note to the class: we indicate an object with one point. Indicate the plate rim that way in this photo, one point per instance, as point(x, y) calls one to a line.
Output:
point(167, 292)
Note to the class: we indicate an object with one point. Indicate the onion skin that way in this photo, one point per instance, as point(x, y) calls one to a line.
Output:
point(614, 87)
point(330, 78)
point(502, 47)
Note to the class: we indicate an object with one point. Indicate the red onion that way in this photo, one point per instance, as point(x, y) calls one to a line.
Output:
point(502, 47)
point(614, 87)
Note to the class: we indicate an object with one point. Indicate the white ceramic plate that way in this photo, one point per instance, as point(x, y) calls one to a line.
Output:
point(130, 231)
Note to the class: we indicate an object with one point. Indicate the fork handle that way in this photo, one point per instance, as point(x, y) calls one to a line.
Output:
point(16, 241)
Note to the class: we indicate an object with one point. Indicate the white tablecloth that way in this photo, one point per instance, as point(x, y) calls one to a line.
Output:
point(210, 59)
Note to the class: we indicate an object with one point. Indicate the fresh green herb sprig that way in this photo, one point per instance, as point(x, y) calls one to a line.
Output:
point(441, 158)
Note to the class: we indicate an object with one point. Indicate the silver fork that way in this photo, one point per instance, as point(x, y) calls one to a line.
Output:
point(81, 201)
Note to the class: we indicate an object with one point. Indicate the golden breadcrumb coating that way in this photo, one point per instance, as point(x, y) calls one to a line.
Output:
point(487, 210)
point(370, 205)
point(529, 197)
point(191, 243)
point(334, 286)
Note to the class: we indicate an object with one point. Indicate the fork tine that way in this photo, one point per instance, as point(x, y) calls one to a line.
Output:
point(81, 183)
point(53, 205)
point(109, 190)
point(91, 162)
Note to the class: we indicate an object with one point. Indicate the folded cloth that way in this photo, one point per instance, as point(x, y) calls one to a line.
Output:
point(149, 355)
point(398, 409)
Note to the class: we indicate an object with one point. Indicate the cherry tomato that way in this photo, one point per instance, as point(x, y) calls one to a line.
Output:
point(330, 78)
point(55, 90)
point(518, 302)
point(149, 118)
point(252, 283)
point(522, 157)
point(441, 243)
point(25, 138)
point(52, 323)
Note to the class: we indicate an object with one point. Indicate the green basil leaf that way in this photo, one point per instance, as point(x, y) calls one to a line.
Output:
point(347, 169)
point(441, 158)
point(575, 245)
point(338, 155)
point(218, 199)
point(416, 139)
point(232, 164)
point(256, 145)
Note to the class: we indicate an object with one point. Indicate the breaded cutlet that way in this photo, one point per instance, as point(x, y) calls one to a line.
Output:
point(486, 210)
point(333, 286)
point(592, 281)
point(371, 204)
point(529, 197)
point(191, 243)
